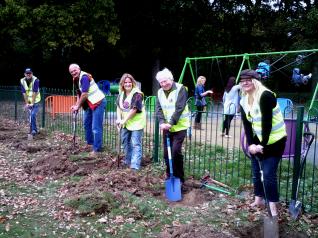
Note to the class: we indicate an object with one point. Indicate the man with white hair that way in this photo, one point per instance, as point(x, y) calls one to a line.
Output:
point(93, 101)
point(173, 114)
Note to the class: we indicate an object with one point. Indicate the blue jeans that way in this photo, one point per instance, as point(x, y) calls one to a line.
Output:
point(132, 142)
point(270, 165)
point(34, 112)
point(93, 125)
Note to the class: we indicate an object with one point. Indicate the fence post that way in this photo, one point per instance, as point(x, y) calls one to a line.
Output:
point(298, 141)
point(156, 142)
point(43, 106)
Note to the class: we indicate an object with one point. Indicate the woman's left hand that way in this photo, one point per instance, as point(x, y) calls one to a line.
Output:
point(259, 149)
point(209, 92)
point(254, 149)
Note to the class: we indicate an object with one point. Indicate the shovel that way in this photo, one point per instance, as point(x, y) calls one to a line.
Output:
point(74, 127)
point(30, 136)
point(295, 205)
point(270, 223)
point(172, 184)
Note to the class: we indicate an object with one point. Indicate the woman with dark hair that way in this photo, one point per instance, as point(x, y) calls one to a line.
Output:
point(230, 105)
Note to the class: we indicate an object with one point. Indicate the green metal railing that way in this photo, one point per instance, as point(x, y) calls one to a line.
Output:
point(204, 150)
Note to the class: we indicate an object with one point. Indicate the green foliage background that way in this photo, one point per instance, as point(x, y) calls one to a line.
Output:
point(110, 37)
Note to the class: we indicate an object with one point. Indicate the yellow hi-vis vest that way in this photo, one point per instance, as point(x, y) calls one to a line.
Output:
point(29, 89)
point(94, 93)
point(168, 105)
point(254, 115)
point(138, 121)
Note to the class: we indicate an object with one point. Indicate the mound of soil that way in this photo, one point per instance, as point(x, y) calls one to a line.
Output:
point(54, 157)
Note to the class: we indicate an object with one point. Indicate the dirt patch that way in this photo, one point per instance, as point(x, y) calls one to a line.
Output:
point(193, 230)
point(98, 181)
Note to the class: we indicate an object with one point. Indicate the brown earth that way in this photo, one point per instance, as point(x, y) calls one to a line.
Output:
point(51, 157)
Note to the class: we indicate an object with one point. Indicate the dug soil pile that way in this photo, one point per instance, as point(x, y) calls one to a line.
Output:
point(53, 157)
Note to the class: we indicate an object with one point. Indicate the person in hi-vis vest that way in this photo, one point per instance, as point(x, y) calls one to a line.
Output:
point(173, 115)
point(265, 134)
point(30, 88)
point(131, 118)
point(93, 102)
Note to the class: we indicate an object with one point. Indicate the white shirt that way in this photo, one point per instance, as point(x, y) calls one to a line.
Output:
point(230, 100)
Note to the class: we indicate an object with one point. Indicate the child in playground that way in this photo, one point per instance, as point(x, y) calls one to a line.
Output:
point(298, 78)
point(200, 102)
point(266, 136)
point(263, 69)
point(230, 105)
point(131, 118)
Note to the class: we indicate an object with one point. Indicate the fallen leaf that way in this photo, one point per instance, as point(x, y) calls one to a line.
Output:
point(2, 219)
point(7, 227)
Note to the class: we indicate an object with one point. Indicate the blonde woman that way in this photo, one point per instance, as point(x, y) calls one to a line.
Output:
point(131, 118)
point(266, 136)
point(200, 102)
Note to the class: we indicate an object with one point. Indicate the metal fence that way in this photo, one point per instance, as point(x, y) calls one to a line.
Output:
point(205, 149)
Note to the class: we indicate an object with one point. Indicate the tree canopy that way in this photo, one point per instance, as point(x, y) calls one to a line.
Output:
point(110, 37)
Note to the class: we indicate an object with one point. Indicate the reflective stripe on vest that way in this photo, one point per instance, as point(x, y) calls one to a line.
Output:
point(29, 89)
point(94, 93)
point(168, 105)
point(138, 121)
point(254, 115)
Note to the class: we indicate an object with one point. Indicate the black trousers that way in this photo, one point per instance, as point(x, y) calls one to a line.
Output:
point(227, 124)
point(198, 114)
point(176, 140)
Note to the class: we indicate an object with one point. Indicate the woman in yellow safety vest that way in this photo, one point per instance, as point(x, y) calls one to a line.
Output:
point(131, 118)
point(266, 136)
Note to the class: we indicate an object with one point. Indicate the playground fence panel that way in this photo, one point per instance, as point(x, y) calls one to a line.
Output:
point(205, 150)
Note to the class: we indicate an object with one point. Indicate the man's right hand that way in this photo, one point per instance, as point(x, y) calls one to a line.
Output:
point(74, 108)
point(165, 126)
point(28, 106)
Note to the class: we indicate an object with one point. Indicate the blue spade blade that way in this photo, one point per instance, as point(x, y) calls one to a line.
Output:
point(173, 189)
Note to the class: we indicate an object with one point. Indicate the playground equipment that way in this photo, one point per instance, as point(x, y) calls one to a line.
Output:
point(263, 69)
point(59, 104)
point(289, 151)
point(313, 108)
point(108, 88)
point(285, 105)
point(298, 78)
point(237, 62)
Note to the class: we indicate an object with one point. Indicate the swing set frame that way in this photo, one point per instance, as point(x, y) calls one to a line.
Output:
point(246, 60)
